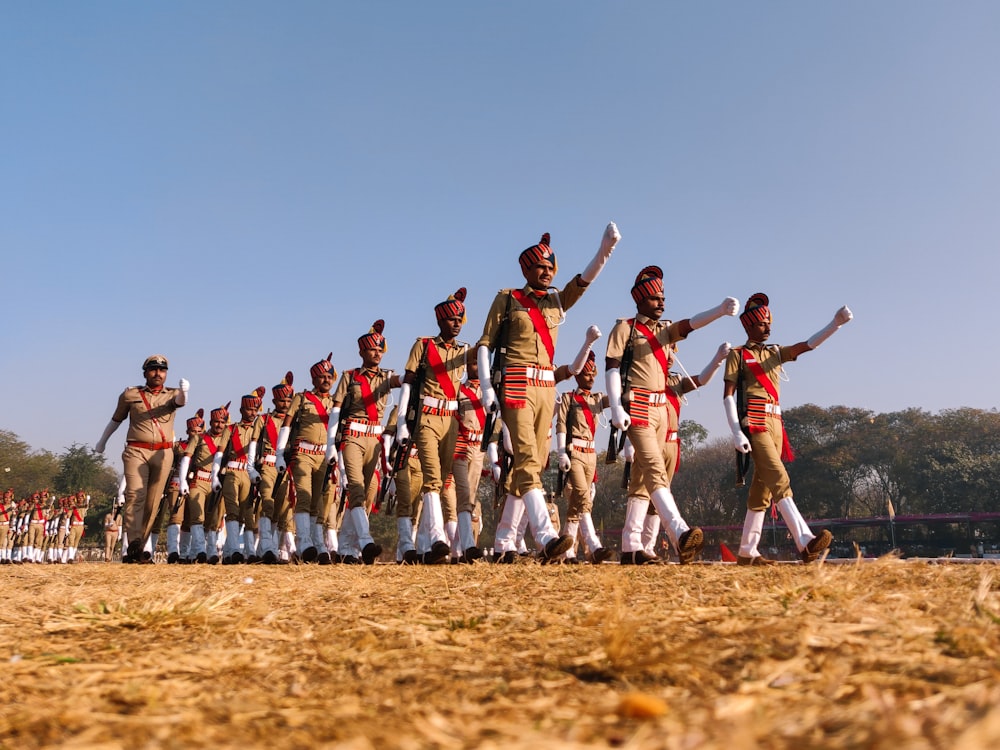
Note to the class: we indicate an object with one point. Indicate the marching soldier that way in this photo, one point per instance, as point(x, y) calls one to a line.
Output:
point(198, 460)
point(79, 505)
point(642, 343)
point(523, 324)
point(110, 536)
point(752, 373)
point(237, 457)
point(37, 519)
point(173, 506)
point(434, 370)
point(275, 511)
point(7, 508)
point(356, 430)
point(148, 453)
point(304, 432)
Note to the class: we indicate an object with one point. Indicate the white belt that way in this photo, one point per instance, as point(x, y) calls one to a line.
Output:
point(237, 465)
point(585, 444)
point(772, 409)
point(672, 437)
point(302, 444)
point(538, 373)
point(474, 437)
point(269, 460)
point(437, 403)
point(655, 398)
point(368, 429)
point(199, 474)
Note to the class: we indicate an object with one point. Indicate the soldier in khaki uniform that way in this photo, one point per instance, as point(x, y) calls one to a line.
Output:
point(647, 340)
point(275, 511)
point(148, 453)
point(195, 476)
point(528, 320)
point(78, 506)
point(439, 362)
point(755, 369)
point(7, 509)
point(110, 536)
point(174, 501)
point(37, 518)
point(356, 430)
point(305, 431)
point(234, 466)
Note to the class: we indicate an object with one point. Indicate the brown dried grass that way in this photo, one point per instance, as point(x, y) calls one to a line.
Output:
point(892, 654)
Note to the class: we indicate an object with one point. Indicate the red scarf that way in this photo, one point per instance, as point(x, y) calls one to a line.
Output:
point(538, 321)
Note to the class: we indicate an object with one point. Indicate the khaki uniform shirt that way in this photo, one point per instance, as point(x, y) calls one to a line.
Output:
point(266, 446)
point(770, 359)
point(307, 424)
point(570, 418)
point(646, 371)
point(524, 347)
point(452, 357)
point(348, 393)
point(201, 454)
point(153, 425)
point(247, 433)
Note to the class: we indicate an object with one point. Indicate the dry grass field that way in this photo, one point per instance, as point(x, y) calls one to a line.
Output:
point(886, 654)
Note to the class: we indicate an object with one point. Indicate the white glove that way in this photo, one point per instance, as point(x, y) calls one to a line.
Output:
point(182, 396)
point(402, 431)
point(279, 449)
point(613, 381)
point(628, 451)
point(331, 435)
point(740, 441)
point(608, 242)
point(564, 461)
point(182, 474)
point(341, 473)
point(489, 396)
point(251, 460)
point(728, 306)
point(712, 367)
point(593, 333)
point(216, 468)
point(843, 315)
point(387, 441)
point(120, 500)
point(102, 443)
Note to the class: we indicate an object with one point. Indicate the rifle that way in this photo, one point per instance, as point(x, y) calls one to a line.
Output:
point(413, 413)
point(626, 474)
point(496, 371)
point(616, 442)
point(505, 461)
point(742, 459)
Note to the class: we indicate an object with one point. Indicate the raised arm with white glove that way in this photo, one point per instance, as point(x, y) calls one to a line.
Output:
point(613, 381)
point(331, 435)
point(740, 440)
point(728, 306)
point(843, 315)
point(713, 367)
point(564, 461)
point(489, 397)
point(608, 242)
point(181, 397)
point(593, 333)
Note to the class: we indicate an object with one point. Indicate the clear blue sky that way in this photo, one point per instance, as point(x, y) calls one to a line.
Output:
point(246, 186)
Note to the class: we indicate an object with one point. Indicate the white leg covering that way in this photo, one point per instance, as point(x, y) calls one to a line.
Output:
point(430, 528)
point(635, 514)
point(65, 554)
point(572, 527)
point(197, 543)
point(232, 538)
point(361, 526)
point(506, 533)
point(795, 523)
point(590, 539)
point(318, 537)
point(249, 543)
point(303, 532)
point(465, 536)
point(151, 543)
point(522, 527)
point(349, 537)
point(650, 531)
point(663, 499)
point(331, 540)
point(72, 553)
point(753, 526)
point(173, 538)
point(538, 517)
point(184, 544)
point(404, 530)
point(265, 542)
point(451, 532)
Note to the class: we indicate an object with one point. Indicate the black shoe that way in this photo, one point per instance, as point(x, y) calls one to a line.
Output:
point(309, 555)
point(269, 558)
point(213, 560)
point(555, 547)
point(816, 546)
point(201, 558)
point(472, 554)
point(146, 558)
point(602, 554)
point(639, 557)
point(324, 558)
point(570, 561)
point(370, 553)
point(237, 558)
point(173, 558)
point(756, 560)
point(350, 560)
point(689, 545)
point(133, 554)
point(410, 557)
point(253, 560)
point(507, 558)
point(439, 552)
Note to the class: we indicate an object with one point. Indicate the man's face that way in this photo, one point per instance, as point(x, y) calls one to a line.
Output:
point(371, 356)
point(217, 425)
point(247, 413)
point(194, 432)
point(759, 332)
point(282, 404)
point(540, 275)
point(450, 327)
point(155, 377)
point(585, 380)
point(323, 382)
point(652, 307)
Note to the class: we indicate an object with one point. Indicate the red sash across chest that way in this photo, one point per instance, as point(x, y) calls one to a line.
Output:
point(321, 411)
point(587, 413)
point(367, 397)
point(757, 408)
point(538, 321)
point(440, 371)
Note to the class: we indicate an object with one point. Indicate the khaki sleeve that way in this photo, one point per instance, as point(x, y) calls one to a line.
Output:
point(617, 339)
point(563, 412)
point(493, 320)
point(733, 365)
point(124, 406)
point(416, 352)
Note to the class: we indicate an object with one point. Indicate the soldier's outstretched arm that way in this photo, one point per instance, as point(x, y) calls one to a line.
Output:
point(102, 443)
point(729, 306)
point(181, 397)
point(841, 317)
point(576, 366)
point(608, 242)
point(712, 367)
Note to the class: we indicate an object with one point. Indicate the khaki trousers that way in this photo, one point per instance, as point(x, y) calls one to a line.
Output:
point(770, 479)
point(529, 429)
point(146, 475)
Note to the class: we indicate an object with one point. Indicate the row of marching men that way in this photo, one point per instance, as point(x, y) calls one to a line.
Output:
point(41, 528)
point(299, 481)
